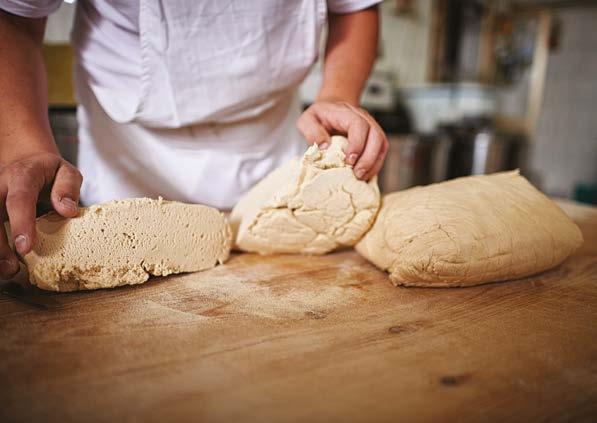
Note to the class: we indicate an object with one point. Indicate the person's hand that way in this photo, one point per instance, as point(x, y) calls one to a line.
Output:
point(21, 184)
point(368, 144)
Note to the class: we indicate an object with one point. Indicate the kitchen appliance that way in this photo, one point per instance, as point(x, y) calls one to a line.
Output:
point(431, 104)
point(414, 160)
point(378, 93)
point(478, 148)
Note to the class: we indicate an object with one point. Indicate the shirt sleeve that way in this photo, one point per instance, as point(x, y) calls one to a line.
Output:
point(30, 8)
point(348, 6)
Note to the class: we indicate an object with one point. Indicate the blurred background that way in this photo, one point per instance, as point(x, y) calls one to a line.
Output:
point(461, 87)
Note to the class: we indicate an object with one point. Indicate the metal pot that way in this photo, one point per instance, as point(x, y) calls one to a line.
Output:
point(414, 160)
point(478, 148)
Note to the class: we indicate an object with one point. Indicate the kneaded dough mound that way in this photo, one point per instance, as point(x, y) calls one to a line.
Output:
point(310, 205)
point(124, 242)
point(469, 231)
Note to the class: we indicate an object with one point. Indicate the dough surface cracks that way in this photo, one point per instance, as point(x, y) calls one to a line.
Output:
point(311, 205)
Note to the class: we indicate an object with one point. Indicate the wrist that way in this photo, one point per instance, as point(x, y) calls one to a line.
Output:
point(16, 152)
point(353, 100)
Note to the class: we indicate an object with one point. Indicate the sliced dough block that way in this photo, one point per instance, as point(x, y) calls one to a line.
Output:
point(124, 242)
point(310, 205)
point(469, 231)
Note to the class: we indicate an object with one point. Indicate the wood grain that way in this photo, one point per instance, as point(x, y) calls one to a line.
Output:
point(292, 338)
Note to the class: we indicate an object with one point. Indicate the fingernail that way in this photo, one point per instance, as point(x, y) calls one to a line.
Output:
point(352, 158)
point(359, 173)
point(7, 267)
point(323, 146)
point(69, 203)
point(21, 244)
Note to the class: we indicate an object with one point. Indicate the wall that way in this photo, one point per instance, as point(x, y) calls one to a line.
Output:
point(565, 146)
point(403, 52)
point(405, 42)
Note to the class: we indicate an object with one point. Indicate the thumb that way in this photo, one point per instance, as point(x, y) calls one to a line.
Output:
point(66, 189)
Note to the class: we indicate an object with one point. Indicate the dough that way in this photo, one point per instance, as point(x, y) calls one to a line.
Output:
point(469, 231)
point(124, 242)
point(310, 205)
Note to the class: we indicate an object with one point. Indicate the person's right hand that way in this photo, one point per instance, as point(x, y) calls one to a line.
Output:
point(21, 184)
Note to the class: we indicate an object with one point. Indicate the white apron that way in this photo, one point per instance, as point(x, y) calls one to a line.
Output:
point(216, 106)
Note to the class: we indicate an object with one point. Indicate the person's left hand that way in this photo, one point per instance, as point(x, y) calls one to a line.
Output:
point(367, 143)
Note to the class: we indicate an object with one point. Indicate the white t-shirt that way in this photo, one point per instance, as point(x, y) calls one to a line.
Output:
point(194, 100)
point(115, 40)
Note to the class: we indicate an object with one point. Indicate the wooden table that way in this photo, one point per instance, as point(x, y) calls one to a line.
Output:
point(309, 338)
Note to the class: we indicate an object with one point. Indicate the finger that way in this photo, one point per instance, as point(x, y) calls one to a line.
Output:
point(367, 160)
point(365, 114)
point(66, 189)
point(357, 139)
point(313, 130)
point(21, 198)
point(378, 164)
point(377, 132)
point(9, 265)
point(341, 118)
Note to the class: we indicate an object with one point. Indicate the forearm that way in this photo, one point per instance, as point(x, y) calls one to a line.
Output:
point(349, 56)
point(24, 126)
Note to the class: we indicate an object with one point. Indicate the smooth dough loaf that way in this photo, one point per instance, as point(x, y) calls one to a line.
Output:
point(469, 231)
point(310, 205)
point(124, 242)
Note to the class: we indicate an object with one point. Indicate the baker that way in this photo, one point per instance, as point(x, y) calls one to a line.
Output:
point(193, 100)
